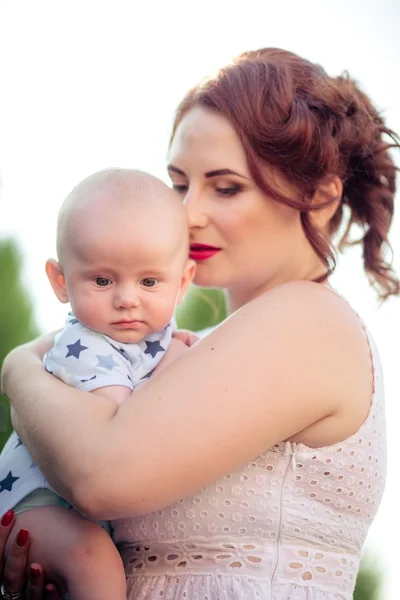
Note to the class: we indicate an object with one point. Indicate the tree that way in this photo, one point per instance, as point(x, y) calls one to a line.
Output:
point(201, 308)
point(17, 324)
point(204, 308)
point(369, 580)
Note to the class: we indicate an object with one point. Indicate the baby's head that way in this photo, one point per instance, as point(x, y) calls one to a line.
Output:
point(122, 245)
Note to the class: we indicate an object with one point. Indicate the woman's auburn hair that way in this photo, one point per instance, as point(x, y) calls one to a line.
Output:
point(290, 114)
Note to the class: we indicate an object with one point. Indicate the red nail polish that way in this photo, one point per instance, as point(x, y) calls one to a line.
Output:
point(7, 518)
point(50, 591)
point(35, 572)
point(22, 537)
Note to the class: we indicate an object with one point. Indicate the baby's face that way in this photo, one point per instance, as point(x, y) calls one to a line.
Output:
point(124, 276)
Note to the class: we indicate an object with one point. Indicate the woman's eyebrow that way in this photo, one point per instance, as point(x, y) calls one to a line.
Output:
point(220, 172)
point(175, 170)
point(209, 174)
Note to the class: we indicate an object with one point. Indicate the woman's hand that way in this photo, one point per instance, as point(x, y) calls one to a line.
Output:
point(15, 577)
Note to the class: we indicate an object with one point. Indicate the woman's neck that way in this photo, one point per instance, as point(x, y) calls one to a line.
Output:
point(241, 295)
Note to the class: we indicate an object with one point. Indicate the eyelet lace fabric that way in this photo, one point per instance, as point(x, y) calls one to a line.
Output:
point(290, 525)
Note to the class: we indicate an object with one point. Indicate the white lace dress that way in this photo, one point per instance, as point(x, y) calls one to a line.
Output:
point(288, 526)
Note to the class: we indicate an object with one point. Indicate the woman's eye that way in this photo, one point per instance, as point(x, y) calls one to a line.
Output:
point(102, 281)
point(179, 188)
point(148, 282)
point(228, 191)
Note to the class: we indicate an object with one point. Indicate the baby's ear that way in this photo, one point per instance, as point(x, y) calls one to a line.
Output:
point(187, 278)
point(57, 280)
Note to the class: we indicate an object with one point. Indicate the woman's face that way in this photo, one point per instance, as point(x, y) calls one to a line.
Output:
point(241, 239)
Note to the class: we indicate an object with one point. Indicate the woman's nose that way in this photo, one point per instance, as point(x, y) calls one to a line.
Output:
point(196, 209)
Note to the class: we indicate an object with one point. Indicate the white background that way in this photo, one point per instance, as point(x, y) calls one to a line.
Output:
point(86, 85)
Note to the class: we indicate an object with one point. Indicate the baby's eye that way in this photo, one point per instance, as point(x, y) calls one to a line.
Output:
point(149, 282)
point(103, 281)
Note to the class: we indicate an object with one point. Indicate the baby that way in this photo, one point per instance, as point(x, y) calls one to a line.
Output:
point(122, 245)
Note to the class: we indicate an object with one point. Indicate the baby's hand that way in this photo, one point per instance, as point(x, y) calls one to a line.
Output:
point(187, 337)
point(175, 349)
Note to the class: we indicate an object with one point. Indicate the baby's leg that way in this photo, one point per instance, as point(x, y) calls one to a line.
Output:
point(75, 553)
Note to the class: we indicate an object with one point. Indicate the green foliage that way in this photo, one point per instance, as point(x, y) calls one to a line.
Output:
point(16, 317)
point(201, 308)
point(369, 580)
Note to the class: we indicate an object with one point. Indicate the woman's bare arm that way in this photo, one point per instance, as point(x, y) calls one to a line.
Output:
point(287, 360)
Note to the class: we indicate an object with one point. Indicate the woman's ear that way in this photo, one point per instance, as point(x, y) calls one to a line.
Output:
point(187, 278)
point(328, 193)
point(57, 280)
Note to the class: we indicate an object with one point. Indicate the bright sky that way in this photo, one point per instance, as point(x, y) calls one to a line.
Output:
point(92, 84)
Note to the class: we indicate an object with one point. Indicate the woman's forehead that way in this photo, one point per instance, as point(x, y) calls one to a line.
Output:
point(206, 137)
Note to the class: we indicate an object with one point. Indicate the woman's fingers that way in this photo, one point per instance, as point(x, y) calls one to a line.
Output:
point(13, 570)
point(34, 588)
point(14, 573)
point(6, 524)
point(51, 593)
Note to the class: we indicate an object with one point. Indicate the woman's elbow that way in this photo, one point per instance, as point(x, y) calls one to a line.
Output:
point(97, 499)
point(88, 499)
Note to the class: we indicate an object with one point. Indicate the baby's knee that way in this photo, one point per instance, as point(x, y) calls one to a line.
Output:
point(90, 540)
point(92, 549)
point(94, 563)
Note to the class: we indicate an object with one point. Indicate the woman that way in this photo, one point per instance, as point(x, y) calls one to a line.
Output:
point(257, 459)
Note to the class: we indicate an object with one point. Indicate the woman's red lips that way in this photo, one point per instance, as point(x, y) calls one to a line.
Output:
point(202, 251)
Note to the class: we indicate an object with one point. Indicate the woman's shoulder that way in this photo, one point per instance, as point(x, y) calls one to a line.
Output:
point(304, 305)
point(318, 329)
point(310, 331)
point(303, 329)
point(305, 295)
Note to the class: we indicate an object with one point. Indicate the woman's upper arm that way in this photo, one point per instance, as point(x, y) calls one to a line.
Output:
point(278, 365)
point(274, 368)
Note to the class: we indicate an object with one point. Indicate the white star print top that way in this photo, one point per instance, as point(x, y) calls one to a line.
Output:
point(89, 360)
point(86, 360)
